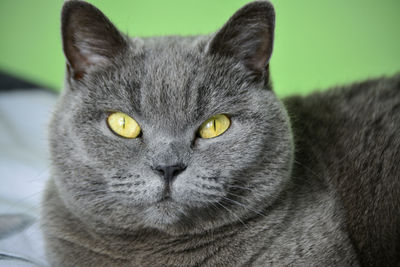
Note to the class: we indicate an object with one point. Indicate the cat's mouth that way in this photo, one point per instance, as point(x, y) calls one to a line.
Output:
point(166, 202)
point(165, 199)
point(166, 194)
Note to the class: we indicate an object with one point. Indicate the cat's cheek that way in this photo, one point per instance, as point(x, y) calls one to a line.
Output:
point(226, 149)
point(151, 192)
point(197, 188)
point(135, 187)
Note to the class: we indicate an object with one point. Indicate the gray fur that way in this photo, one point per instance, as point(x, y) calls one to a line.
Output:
point(261, 194)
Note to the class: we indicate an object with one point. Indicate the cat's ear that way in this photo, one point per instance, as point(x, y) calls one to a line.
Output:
point(89, 38)
point(248, 36)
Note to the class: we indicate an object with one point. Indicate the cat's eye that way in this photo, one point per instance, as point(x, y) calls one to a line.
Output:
point(123, 125)
point(214, 126)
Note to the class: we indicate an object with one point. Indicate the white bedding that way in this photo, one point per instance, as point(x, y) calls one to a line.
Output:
point(24, 168)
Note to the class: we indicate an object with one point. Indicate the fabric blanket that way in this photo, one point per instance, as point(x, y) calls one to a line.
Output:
point(24, 169)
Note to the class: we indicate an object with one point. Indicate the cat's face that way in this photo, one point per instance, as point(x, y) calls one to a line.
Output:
point(169, 177)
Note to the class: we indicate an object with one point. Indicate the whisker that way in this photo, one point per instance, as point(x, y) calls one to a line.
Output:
point(92, 192)
point(244, 206)
point(121, 184)
point(233, 213)
point(241, 187)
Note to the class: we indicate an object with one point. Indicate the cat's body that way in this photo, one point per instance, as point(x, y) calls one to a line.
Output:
point(316, 188)
point(349, 137)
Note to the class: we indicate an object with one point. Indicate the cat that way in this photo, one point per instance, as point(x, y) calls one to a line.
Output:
point(175, 151)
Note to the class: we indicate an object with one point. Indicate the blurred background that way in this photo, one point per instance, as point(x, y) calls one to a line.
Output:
point(318, 43)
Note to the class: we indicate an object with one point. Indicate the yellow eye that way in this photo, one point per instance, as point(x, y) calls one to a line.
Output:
point(214, 126)
point(123, 125)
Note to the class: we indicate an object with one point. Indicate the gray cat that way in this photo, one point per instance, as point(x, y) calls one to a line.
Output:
point(175, 151)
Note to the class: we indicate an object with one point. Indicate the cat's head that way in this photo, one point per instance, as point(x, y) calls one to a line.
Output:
point(130, 138)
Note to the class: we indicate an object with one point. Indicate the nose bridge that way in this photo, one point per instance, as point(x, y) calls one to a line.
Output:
point(170, 152)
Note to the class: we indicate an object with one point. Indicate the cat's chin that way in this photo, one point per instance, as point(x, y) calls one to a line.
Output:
point(175, 218)
point(164, 215)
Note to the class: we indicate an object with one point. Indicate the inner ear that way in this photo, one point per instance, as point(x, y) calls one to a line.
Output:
point(247, 36)
point(89, 38)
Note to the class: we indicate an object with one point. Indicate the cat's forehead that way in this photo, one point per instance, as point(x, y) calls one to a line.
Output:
point(179, 81)
point(170, 62)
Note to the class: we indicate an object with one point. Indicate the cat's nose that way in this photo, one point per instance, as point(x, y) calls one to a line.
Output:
point(169, 172)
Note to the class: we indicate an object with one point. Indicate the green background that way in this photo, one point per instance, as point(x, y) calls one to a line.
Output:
point(318, 43)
